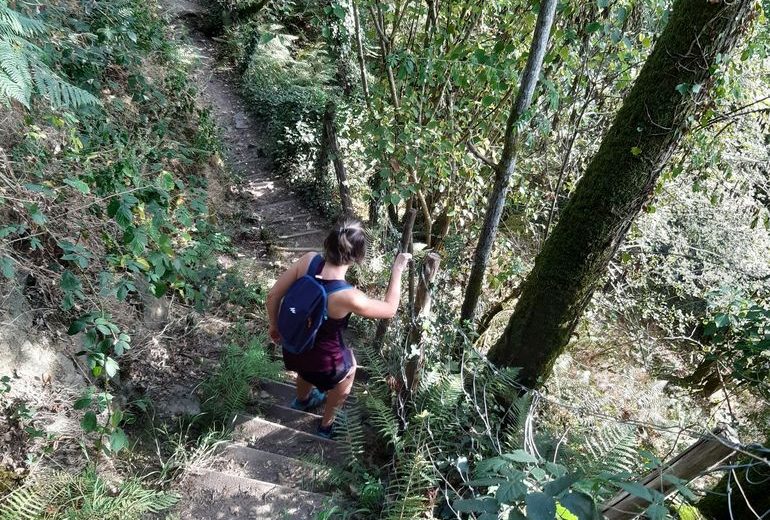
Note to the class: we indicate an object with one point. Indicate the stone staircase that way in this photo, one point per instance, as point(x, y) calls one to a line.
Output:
point(273, 468)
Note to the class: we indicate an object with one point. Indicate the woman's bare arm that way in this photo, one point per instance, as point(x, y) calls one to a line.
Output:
point(382, 309)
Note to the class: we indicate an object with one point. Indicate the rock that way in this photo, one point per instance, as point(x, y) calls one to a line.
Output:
point(241, 121)
point(177, 402)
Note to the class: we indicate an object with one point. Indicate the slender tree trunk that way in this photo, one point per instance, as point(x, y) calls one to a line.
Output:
point(507, 165)
point(618, 182)
point(360, 54)
point(336, 156)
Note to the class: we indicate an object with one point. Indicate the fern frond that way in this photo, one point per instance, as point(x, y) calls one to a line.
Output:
point(15, 23)
point(58, 92)
point(227, 390)
point(513, 432)
point(23, 503)
point(350, 433)
point(383, 418)
point(441, 395)
point(15, 77)
point(614, 448)
point(410, 489)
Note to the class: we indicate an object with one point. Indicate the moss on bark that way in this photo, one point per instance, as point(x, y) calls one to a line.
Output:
point(618, 181)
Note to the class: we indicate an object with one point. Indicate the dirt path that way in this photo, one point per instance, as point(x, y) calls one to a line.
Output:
point(261, 474)
point(276, 224)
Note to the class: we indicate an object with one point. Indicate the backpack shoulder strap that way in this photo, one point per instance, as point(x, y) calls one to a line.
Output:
point(336, 286)
point(316, 264)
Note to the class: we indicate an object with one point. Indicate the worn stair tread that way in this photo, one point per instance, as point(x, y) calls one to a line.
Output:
point(210, 495)
point(281, 440)
point(283, 393)
point(241, 460)
point(286, 416)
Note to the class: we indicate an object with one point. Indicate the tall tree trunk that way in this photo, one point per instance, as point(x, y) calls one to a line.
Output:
point(618, 182)
point(506, 167)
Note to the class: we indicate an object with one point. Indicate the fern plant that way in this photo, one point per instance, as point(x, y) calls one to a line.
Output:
point(85, 496)
point(413, 480)
point(226, 392)
point(23, 71)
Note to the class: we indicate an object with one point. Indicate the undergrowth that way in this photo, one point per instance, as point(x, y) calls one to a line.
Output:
point(227, 391)
point(104, 212)
point(83, 496)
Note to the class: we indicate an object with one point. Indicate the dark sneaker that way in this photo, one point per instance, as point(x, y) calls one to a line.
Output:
point(315, 399)
point(326, 432)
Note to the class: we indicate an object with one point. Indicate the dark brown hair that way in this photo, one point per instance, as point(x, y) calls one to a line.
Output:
point(346, 243)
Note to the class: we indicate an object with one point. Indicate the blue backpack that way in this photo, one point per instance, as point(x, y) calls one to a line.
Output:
point(303, 308)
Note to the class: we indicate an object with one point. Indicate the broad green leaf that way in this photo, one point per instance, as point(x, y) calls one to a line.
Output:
point(637, 490)
point(721, 320)
point(83, 403)
point(7, 268)
point(476, 505)
point(77, 326)
point(88, 423)
point(510, 492)
point(520, 456)
point(540, 507)
point(560, 485)
point(79, 185)
point(118, 440)
point(35, 214)
point(116, 417)
point(111, 367)
point(579, 504)
point(594, 27)
point(70, 282)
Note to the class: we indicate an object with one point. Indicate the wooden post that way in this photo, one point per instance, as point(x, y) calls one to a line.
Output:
point(406, 240)
point(422, 309)
point(691, 463)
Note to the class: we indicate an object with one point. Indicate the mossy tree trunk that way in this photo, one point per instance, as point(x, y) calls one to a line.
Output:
point(619, 181)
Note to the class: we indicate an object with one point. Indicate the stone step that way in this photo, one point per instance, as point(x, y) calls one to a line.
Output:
point(282, 393)
point(281, 440)
point(210, 495)
point(240, 460)
point(303, 421)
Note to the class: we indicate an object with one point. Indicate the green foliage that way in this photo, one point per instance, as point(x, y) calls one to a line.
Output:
point(84, 496)
point(226, 391)
point(739, 337)
point(613, 449)
point(23, 68)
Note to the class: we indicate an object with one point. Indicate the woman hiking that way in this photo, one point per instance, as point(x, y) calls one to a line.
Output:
point(326, 367)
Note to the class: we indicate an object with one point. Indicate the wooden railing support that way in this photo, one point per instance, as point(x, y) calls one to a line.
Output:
point(689, 464)
point(422, 303)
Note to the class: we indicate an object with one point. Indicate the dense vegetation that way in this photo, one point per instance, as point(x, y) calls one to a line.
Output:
point(593, 176)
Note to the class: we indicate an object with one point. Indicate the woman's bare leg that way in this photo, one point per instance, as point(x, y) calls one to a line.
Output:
point(336, 397)
point(303, 389)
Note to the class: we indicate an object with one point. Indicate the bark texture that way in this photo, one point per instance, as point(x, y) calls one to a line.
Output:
point(506, 167)
point(618, 182)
